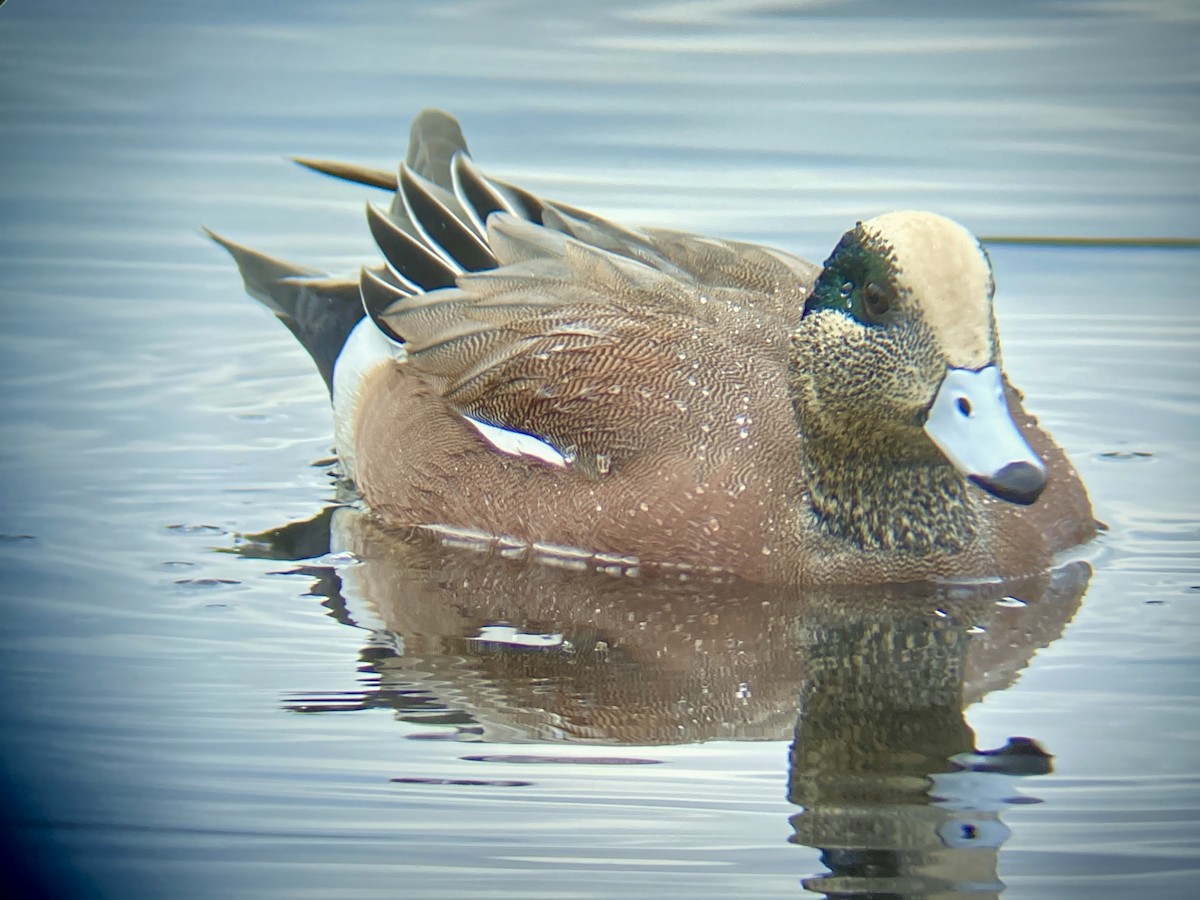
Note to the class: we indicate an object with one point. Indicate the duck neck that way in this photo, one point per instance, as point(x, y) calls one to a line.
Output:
point(916, 506)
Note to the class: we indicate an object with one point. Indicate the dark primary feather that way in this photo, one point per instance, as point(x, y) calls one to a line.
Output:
point(444, 222)
point(409, 254)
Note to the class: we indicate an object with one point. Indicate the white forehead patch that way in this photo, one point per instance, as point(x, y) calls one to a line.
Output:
point(942, 268)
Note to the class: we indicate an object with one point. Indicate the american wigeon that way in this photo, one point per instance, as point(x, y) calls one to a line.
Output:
point(525, 373)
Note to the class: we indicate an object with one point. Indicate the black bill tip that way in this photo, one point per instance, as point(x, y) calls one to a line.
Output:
point(1018, 482)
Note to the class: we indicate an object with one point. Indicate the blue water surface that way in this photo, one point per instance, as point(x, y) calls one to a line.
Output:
point(199, 702)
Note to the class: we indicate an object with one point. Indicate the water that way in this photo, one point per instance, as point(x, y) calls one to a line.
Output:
point(190, 712)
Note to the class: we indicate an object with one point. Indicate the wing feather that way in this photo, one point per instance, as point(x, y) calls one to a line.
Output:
point(547, 319)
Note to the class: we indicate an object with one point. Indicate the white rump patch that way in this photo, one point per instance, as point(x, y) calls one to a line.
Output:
point(365, 348)
point(517, 443)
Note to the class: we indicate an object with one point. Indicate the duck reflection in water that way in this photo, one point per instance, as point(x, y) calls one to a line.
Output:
point(869, 683)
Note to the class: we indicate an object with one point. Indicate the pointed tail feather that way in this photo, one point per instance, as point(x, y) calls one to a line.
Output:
point(350, 172)
point(435, 139)
point(320, 311)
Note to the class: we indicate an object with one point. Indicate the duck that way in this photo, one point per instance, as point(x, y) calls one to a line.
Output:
point(521, 374)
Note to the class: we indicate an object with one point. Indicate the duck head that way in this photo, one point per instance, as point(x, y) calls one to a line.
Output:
point(897, 357)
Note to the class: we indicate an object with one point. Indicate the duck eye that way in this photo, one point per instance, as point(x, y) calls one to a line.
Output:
point(875, 300)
